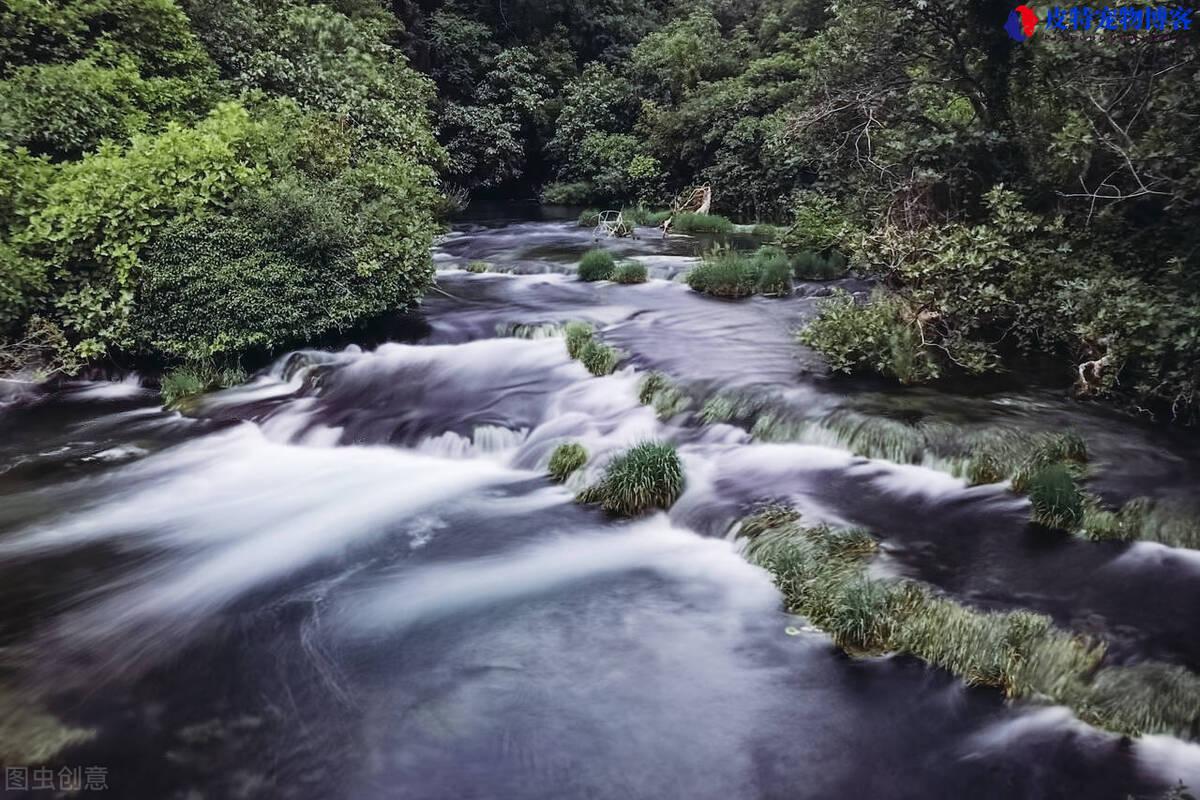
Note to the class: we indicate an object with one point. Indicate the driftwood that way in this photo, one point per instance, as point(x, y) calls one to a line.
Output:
point(697, 201)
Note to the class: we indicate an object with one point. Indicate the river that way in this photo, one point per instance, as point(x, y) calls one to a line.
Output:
point(351, 577)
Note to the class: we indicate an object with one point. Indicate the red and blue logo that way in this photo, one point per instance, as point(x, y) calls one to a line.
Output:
point(1022, 22)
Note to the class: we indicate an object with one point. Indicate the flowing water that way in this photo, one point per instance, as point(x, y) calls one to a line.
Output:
point(352, 578)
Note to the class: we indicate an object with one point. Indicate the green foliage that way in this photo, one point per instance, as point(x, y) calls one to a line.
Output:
point(658, 391)
point(629, 272)
point(578, 335)
point(596, 265)
point(589, 218)
point(195, 378)
point(576, 193)
point(810, 266)
point(729, 273)
point(565, 459)
point(642, 216)
point(765, 230)
point(599, 358)
point(647, 476)
point(879, 336)
point(688, 222)
point(477, 266)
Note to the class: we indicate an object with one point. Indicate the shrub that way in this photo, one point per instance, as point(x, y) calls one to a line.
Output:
point(190, 380)
point(1057, 501)
point(765, 230)
point(565, 459)
point(811, 266)
point(878, 336)
point(774, 277)
point(630, 272)
point(688, 222)
point(640, 215)
point(596, 265)
point(477, 266)
point(589, 218)
point(649, 475)
point(568, 194)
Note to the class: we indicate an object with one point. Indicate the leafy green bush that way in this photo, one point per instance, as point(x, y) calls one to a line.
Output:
point(596, 265)
point(568, 194)
point(878, 336)
point(688, 222)
point(196, 378)
point(649, 475)
point(629, 272)
point(565, 459)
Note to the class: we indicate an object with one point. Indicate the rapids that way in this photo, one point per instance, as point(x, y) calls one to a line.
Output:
point(351, 577)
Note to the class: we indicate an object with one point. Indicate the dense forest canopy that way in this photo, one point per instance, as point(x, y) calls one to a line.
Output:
point(202, 179)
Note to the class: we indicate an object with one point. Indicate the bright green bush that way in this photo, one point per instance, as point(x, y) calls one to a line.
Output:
point(688, 222)
point(878, 336)
point(565, 459)
point(629, 272)
point(596, 265)
point(647, 476)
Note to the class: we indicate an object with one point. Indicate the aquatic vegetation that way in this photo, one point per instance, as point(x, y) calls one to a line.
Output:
point(774, 278)
point(565, 459)
point(190, 380)
point(629, 272)
point(822, 575)
point(648, 475)
point(813, 266)
point(688, 222)
point(599, 358)
point(1057, 501)
point(578, 335)
point(725, 274)
point(667, 399)
point(478, 266)
point(643, 216)
point(596, 265)
point(589, 218)
point(29, 735)
point(765, 230)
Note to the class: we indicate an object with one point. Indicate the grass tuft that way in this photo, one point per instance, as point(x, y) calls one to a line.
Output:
point(578, 335)
point(478, 266)
point(667, 399)
point(599, 358)
point(647, 476)
point(1057, 501)
point(689, 222)
point(596, 265)
point(191, 380)
point(589, 218)
point(565, 459)
point(629, 272)
point(640, 215)
point(765, 230)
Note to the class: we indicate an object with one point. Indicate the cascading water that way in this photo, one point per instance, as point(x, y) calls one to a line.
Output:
point(351, 577)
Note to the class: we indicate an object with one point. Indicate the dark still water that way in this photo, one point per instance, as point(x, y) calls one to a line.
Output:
point(352, 578)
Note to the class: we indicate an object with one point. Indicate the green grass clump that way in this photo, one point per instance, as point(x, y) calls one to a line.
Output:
point(728, 273)
point(629, 272)
point(1145, 698)
point(812, 266)
point(596, 265)
point(689, 222)
point(191, 380)
point(665, 397)
point(774, 278)
point(1057, 501)
point(640, 215)
point(477, 266)
point(589, 218)
point(578, 336)
point(765, 230)
point(647, 476)
point(565, 459)
point(599, 358)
